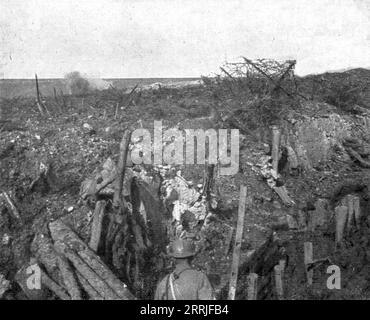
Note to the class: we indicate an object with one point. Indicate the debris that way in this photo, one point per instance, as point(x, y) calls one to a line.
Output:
point(13, 209)
point(87, 263)
point(45, 177)
point(363, 163)
point(283, 194)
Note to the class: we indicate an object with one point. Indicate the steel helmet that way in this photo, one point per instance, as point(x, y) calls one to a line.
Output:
point(182, 248)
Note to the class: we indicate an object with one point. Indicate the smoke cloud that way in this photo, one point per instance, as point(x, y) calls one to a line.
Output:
point(77, 84)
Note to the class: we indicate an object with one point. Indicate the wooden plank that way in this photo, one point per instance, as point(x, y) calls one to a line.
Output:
point(308, 259)
point(238, 240)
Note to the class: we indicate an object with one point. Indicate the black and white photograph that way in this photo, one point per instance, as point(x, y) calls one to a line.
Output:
point(212, 150)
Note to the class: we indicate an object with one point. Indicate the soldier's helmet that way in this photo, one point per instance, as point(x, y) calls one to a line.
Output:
point(182, 248)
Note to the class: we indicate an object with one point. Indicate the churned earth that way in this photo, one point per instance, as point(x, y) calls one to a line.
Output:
point(315, 167)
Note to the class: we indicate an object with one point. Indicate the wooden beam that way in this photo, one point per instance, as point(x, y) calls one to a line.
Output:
point(238, 242)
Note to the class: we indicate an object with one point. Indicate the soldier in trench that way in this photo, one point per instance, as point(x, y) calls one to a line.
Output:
point(184, 283)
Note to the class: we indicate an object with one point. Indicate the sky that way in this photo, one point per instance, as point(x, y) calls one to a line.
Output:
point(178, 38)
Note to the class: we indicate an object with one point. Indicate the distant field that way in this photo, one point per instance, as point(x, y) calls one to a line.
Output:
point(10, 88)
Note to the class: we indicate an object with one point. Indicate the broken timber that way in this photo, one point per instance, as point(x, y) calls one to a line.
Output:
point(96, 228)
point(237, 245)
point(11, 206)
point(69, 278)
point(87, 263)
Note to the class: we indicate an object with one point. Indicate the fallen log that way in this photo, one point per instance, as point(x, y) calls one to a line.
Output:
point(91, 292)
point(96, 282)
point(357, 158)
point(69, 278)
point(88, 263)
point(54, 287)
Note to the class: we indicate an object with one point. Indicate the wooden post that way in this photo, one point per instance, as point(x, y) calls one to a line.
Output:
point(37, 89)
point(279, 271)
point(308, 259)
point(349, 203)
point(63, 99)
point(238, 242)
point(121, 168)
point(252, 286)
point(116, 112)
point(341, 213)
point(357, 211)
point(275, 147)
point(41, 106)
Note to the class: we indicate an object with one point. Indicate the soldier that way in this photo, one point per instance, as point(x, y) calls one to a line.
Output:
point(184, 283)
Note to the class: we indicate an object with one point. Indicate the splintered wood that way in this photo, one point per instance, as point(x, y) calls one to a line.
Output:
point(238, 242)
